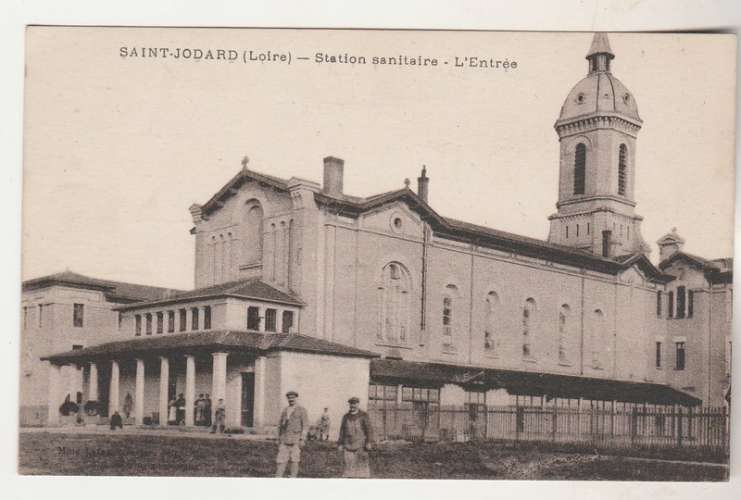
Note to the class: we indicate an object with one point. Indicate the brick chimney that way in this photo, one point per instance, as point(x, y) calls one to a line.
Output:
point(333, 170)
point(423, 185)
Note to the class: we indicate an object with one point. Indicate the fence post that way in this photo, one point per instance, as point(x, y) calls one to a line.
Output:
point(633, 425)
point(725, 442)
point(612, 419)
point(689, 423)
point(554, 422)
point(679, 426)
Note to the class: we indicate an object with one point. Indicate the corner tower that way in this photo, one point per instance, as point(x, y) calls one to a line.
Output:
point(597, 130)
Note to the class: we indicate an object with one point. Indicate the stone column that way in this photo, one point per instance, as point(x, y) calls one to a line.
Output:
point(190, 388)
point(93, 385)
point(278, 320)
point(259, 403)
point(218, 390)
point(113, 396)
point(164, 385)
point(139, 393)
point(54, 389)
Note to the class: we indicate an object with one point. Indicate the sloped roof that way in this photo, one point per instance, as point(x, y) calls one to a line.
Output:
point(716, 271)
point(228, 340)
point(353, 206)
point(244, 289)
point(531, 383)
point(115, 291)
point(600, 45)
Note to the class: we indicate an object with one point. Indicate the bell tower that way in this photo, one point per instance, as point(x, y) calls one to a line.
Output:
point(597, 131)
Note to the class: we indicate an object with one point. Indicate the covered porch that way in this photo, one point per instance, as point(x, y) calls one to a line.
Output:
point(143, 379)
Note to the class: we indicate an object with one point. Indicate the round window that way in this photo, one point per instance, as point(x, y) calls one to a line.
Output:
point(397, 223)
point(580, 98)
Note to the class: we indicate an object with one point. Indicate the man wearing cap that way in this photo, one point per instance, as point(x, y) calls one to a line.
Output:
point(356, 438)
point(294, 422)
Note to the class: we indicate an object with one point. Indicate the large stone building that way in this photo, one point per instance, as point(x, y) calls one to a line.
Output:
point(303, 286)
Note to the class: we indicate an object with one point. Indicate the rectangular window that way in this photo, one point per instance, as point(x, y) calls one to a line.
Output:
point(41, 315)
point(160, 322)
point(25, 316)
point(183, 313)
point(606, 237)
point(680, 301)
point(658, 354)
point(207, 318)
point(567, 232)
point(447, 316)
point(170, 321)
point(149, 323)
point(690, 303)
point(138, 325)
point(287, 321)
point(78, 315)
point(577, 230)
point(270, 318)
point(658, 304)
point(77, 347)
point(670, 299)
point(120, 319)
point(253, 318)
point(729, 356)
point(194, 318)
point(588, 227)
point(680, 356)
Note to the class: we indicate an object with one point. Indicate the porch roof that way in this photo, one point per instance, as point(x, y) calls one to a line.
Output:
point(531, 383)
point(209, 341)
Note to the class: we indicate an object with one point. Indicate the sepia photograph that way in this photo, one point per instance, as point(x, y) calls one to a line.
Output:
point(386, 254)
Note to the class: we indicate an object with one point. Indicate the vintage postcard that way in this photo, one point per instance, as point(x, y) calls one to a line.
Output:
point(377, 254)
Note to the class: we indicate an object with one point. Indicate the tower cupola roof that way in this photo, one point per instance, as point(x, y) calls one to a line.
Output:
point(600, 92)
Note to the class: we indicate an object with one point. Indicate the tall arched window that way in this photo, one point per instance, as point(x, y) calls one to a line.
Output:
point(291, 253)
point(529, 312)
point(395, 296)
point(622, 169)
point(253, 233)
point(448, 314)
point(598, 338)
point(564, 325)
point(580, 163)
point(491, 340)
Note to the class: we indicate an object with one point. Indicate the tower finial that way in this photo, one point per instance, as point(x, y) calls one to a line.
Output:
point(245, 161)
point(600, 53)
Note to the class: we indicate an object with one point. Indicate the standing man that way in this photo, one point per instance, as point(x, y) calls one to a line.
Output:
point(220, 420)
point(294, 422)
point(356, 439)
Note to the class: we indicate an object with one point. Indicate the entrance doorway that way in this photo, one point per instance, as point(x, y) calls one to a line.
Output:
point(248, 400)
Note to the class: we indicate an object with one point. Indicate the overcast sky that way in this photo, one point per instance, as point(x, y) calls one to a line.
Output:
point(117, 149)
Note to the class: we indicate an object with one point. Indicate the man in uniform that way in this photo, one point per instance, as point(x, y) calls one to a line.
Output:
point(294, 423)
point(356, 439)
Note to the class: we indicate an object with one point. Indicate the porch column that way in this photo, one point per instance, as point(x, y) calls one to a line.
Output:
point(93, 385)
point(259, 403)
point(218, 390)
point(113, 397)
point(139, 394)
point(190, 388)
point(54, 389)
point(164, 385)
point(73, 381)
point(278, 320)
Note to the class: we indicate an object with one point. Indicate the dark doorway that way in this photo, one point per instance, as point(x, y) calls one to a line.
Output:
point(248, 399)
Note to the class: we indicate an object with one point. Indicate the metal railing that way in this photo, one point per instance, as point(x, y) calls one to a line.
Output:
point(604, 427)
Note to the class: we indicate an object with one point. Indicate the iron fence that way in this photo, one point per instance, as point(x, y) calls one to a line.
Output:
point(604, 427)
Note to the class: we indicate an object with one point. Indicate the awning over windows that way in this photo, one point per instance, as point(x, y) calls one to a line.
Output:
point(529, 383)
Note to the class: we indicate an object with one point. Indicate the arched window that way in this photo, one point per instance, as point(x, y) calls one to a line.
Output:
point(597, 338)
point(448, 314)
point(622, 169)
point(491, 341)
point(564, 325)
point(394, 295)
point(253, 233)
point(529, 312)
point(580, 163)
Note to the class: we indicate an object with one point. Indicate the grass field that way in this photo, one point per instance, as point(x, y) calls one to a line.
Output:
point(133, 455)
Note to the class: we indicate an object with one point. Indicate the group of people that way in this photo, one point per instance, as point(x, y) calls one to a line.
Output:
point(355, 438)
point(202, 411)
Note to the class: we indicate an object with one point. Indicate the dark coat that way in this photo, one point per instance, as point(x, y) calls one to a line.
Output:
point(356, 431)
